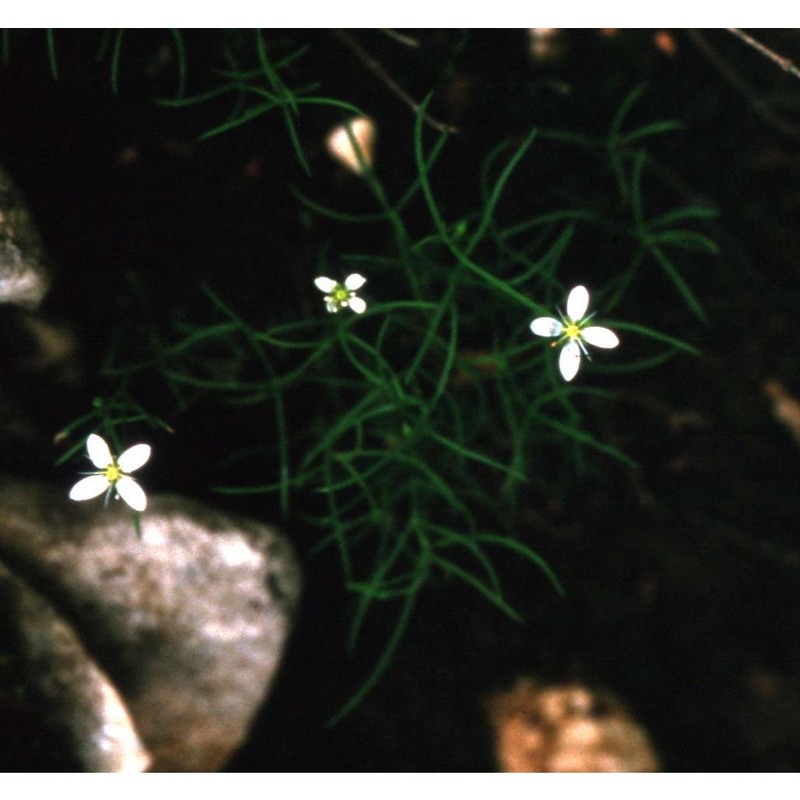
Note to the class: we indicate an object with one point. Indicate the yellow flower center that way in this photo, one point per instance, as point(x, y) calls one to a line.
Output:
point(112, 473)
point(341, 294)
point(572, 331)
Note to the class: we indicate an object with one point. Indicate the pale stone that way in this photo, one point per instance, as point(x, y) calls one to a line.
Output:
point(72, 695)
point(24, 274)
point(187, 623)
point(566, 728)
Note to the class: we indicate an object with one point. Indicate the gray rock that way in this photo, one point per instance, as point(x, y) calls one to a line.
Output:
point(24, 273)
point(185, 623)
point(73, 697)
point(39, 355)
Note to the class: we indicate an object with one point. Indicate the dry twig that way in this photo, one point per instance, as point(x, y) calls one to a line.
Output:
point(784, 63)
point(373, 65)
point(408, 41)
point(755, 102)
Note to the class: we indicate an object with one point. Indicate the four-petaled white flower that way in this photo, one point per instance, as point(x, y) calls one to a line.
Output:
point(339, 296)
point(112, 474)
point(572, 331)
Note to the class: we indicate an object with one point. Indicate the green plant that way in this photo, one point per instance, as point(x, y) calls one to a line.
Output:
point(429, 421)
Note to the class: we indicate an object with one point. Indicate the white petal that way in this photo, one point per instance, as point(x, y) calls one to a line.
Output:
point(341, 147)
point(325, 284)
point(600, 337)
point(577, 303)
point(547, 326)
point(569, 360)
point(87, 488)
point(354, 281)
point(357, 304)
point(134, 457)
point(131, 493)
point(99, 453)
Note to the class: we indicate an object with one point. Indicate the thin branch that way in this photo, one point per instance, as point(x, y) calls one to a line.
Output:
point(784, 63)
point(377, 68)
point(400, 37)
point(759, 106)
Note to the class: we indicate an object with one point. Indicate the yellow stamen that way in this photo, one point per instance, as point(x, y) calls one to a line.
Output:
point(112, 473)
point(341, 294)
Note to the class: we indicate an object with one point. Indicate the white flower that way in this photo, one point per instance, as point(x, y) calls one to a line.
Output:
point(572, 331)
point(342, 296)
point(112, 474)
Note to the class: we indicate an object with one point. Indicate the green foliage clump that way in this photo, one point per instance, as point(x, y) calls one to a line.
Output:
point(412, 436)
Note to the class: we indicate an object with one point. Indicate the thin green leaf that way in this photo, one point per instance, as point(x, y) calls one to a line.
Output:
point(487, 277)
point(679, 282)
point(115, 54)
point(688, 240)
point(180, 51)
point(493, 597)
point(526, 552)
point(653, 129)
point(583, 437)
point(681, 214)
point(51, 52)
point(678, 344)
point(497, 191)
point(386, 656)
